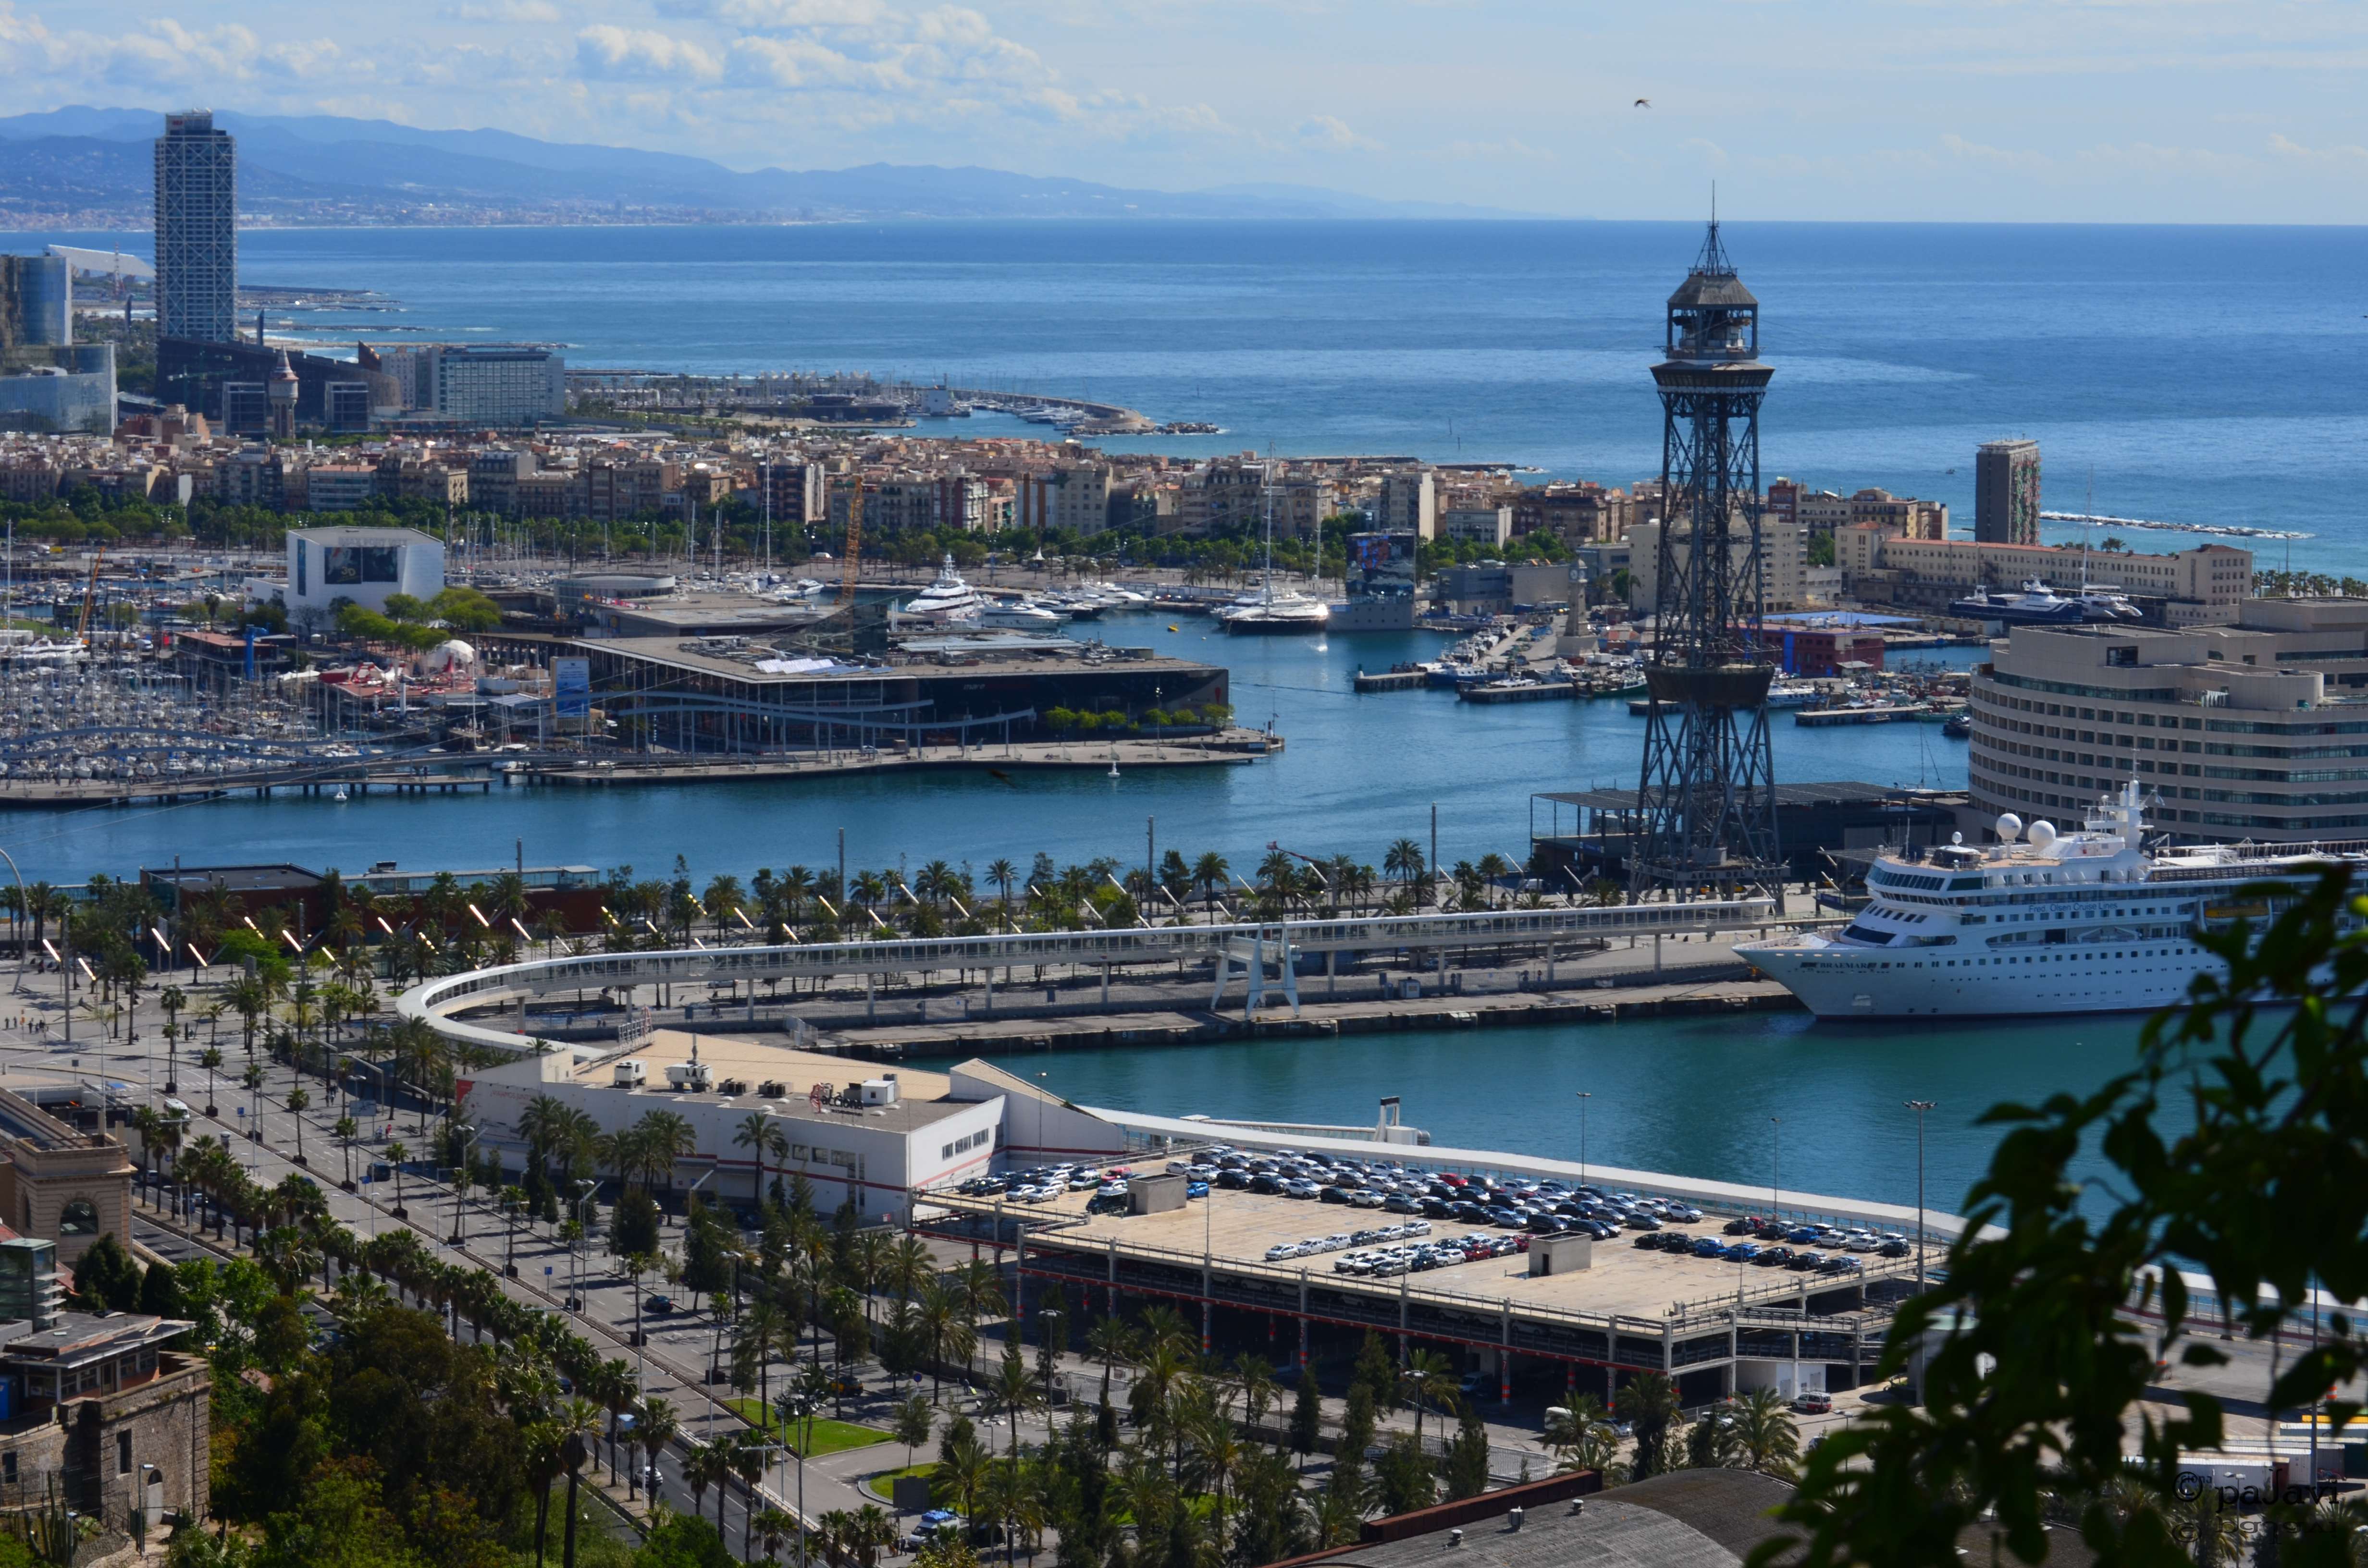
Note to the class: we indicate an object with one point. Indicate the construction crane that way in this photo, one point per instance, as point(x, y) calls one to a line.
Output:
point(89, 593)
point(850, 564)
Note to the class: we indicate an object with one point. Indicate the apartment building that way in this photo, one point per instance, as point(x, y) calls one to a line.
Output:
point(1480, 525)
point(2196, 587)
point(1409, 503)
point(1784, 552)
point(1578, 514)
point(2256, 730)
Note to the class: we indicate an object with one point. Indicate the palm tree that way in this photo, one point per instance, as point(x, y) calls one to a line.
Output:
point(395, 1154)
point(297, 1102)
point(908, 1267)
point(961, 1472)
point(1209, 873)
point(755, 1132)
point(654, 1426)
point(1404, 861)
point(1491, 867)
point(211, 1061)
point(1111, 1342)
point(747, 1459)
point(1015, 1390)
point(724, 899)
point(1428, 1378)
point(1650, 1404)
point(667, 1137)
point(773, 1527)
point(1765, 1438)
point(1003, 874)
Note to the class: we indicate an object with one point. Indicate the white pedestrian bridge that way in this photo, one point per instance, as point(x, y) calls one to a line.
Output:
point(1237, 950)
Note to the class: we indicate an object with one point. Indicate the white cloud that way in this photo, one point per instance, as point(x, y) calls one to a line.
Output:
point(1324, 133)
point(1710, 152)
point(634, 54)
point(503, 11)
point(2341, 156)
point(161, 54)
point(774, 14)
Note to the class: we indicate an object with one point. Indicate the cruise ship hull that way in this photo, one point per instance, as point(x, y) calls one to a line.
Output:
point(1834, 981)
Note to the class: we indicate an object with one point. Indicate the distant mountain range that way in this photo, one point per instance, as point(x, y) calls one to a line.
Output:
point(92, 167)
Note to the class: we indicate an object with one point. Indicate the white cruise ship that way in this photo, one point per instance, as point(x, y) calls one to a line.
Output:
point(949, 601)
point(2044, 922)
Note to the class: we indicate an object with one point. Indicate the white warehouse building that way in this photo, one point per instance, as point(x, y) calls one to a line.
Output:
point(365, 566)
point(871, 1134)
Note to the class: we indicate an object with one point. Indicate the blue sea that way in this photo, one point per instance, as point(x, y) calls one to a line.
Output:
point(2200, 375)
point(2188, 375)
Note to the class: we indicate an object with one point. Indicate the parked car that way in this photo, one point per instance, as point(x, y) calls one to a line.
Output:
point(658, 1306)
point(1738, 1227)
point(1708, 1247)
point(1774, 1258)
point(1814, 1405)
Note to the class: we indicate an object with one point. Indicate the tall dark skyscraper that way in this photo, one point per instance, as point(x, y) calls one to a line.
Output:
point(2006, 493)
point(196, 230)
point(1708, 801)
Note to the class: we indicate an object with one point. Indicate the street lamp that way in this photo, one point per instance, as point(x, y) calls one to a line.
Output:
point(1919, 1107)
point(1775, 1158)
point(1584, 1096)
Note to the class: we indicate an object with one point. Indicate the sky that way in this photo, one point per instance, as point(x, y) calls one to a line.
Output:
point(2012, 111)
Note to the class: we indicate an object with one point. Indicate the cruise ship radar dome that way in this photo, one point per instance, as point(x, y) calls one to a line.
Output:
point(2042, 834)
point(2010, 828)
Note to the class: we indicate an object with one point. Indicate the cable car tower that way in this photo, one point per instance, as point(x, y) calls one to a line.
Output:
point(1706, 811)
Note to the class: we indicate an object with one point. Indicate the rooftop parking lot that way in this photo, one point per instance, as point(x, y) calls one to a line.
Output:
point(1358, 1243)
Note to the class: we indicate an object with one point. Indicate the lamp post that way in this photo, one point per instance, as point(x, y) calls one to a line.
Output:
point(1775, 1159)
point(1919, 1107)
point(1584, 1096)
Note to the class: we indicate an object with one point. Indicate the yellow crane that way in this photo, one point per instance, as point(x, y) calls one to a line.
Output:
point(850, 564)
point(89, 593)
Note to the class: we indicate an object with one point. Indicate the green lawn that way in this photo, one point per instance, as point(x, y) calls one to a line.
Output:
point(828, 1436)
point(883, 1486)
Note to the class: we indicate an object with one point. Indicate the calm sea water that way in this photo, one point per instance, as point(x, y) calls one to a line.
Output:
point(1358, 773)
point(1693, 1095)
point(2199, 374)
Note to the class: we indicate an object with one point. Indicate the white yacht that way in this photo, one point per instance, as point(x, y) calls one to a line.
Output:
point(2041, 922)
point(1269, 614)
point(1019, 615)
point(949, 601)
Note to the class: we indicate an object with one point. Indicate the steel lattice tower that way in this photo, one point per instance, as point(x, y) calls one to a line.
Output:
point(1707, 806)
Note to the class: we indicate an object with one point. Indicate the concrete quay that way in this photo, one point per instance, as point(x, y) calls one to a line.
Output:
point(1098, 1030)
point(1232, 748)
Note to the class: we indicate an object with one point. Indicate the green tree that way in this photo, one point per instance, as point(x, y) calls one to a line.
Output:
point(634, 1224)
point(1465, 1469)
point(2027, 1400)
point(914, 1420)
point(106, 1277)
point(1306, 1416)
point(684, 1540)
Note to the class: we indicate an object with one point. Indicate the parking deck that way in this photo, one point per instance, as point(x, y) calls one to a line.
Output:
point(1630, 1309)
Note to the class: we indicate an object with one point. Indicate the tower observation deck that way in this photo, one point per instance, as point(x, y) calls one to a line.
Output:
point(1707, 797)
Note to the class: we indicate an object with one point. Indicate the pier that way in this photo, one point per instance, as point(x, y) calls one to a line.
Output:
point(311, 781)
point(1885, 713)
point(1233, 749)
